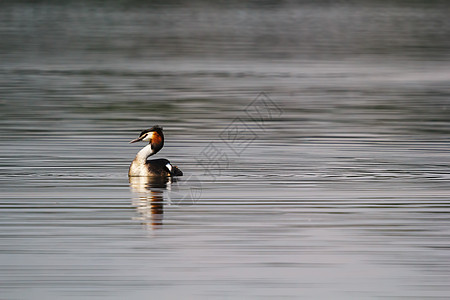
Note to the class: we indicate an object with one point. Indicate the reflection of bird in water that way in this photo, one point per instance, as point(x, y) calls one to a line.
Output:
point(155, 167)
point(150, 200)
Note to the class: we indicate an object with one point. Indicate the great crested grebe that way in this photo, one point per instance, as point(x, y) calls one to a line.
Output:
point(154, 167)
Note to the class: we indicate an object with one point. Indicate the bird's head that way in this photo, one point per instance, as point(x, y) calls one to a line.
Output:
point(154, 136)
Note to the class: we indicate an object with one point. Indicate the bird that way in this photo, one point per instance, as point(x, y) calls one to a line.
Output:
point(141, 167)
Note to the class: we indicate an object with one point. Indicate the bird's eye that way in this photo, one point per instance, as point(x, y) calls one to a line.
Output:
point(147, 137)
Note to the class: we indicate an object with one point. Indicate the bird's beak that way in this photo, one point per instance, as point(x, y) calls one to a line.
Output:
point(137, 140)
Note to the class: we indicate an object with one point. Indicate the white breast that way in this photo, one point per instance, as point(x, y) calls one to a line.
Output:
point(138, 166)
point(137, 169)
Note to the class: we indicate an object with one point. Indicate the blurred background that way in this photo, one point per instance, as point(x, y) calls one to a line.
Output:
point(340, 191)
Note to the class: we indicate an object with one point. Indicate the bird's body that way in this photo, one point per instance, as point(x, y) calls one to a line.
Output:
point(140, 166)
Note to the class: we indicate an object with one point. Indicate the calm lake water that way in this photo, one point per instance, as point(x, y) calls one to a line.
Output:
point(314, 140)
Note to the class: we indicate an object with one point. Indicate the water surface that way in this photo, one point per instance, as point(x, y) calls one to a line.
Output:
point(332, 183)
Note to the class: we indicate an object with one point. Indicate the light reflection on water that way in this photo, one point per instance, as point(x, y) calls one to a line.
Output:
point(150, 199)
point(341, 194)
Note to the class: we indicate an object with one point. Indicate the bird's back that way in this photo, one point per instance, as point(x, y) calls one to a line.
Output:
point(162, 167)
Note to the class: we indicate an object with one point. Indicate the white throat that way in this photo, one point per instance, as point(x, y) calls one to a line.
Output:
point(138, 166)
point(141, 156)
